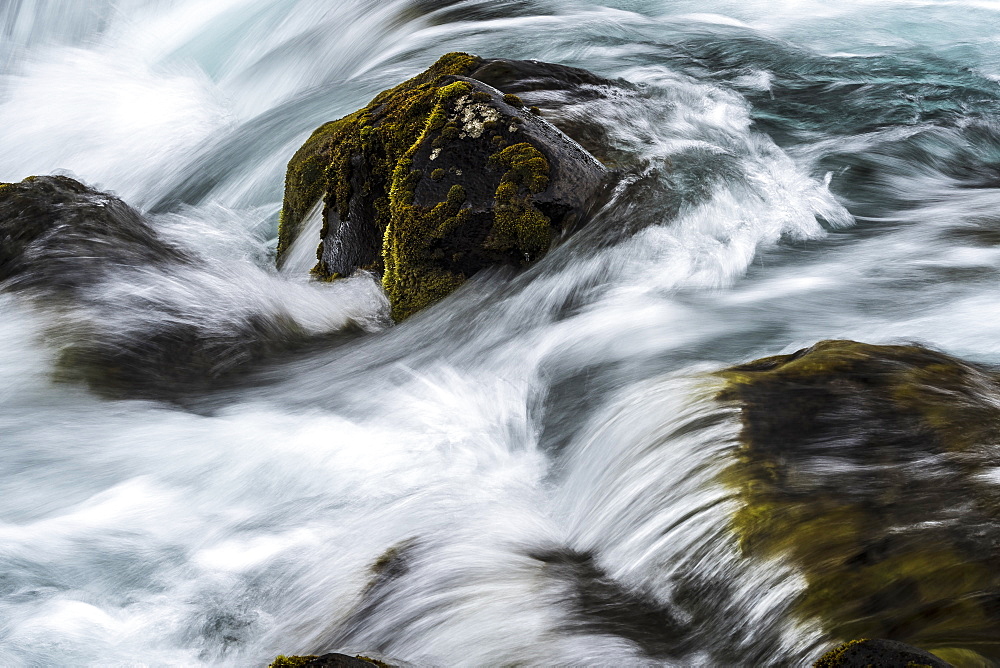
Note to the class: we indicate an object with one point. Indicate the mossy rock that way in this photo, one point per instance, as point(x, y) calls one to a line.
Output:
point(331, 660)
point(865, 467)
point(882, 653)
point(436, 179)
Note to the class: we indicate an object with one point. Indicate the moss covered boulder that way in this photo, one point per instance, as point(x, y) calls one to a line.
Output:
point(873, 471)
point(434, 180)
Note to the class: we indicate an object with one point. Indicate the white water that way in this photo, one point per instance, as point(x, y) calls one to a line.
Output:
point(564, 410)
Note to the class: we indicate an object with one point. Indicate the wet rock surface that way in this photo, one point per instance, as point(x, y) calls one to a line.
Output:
point(436, 180)
point(551, 88)
point(57, 235)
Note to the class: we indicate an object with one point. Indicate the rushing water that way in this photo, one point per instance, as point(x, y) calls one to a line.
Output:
point(537, 453)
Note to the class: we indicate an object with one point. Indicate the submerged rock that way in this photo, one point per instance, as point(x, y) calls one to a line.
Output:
point(883, 653)
point(120, 296)
point(871, 469)
point(435, 180)
point(57, 235)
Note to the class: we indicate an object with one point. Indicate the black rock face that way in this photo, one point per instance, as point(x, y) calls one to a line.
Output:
point(551, 87)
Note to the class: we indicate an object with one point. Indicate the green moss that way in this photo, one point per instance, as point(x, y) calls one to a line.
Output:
point(535, 110)
point(308, 172)
point(882, 554)
point(414, 276)
point(283, 661)
point(513, 100)
point(411, 278)
point(385, 129)
point(518, 224)
point(438, 174)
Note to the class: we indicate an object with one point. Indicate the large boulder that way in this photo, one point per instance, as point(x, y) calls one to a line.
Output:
point(434, 180)
point(872, 470)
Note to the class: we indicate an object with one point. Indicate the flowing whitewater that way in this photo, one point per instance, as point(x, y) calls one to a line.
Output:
point(527, 472)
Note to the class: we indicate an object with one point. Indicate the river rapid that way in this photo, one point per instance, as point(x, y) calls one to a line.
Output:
point(525, 473)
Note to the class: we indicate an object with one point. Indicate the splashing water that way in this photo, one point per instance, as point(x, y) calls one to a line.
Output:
point(526, 472)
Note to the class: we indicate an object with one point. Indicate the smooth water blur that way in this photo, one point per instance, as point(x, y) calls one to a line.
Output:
point(539, 451)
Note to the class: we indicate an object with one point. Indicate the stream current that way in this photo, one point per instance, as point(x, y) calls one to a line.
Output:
point(525, 473)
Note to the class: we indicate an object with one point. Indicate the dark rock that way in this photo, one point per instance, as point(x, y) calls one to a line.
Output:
point(598, 604)
point(881, 653)
point(866, 467)
point(68, 249)
point(58, 235)
point(524, 76)
point(435, 180)
point(385, 575)
point(552, 90)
